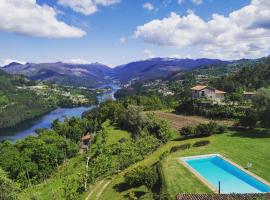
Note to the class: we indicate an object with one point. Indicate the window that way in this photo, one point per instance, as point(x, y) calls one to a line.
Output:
point(203, 93)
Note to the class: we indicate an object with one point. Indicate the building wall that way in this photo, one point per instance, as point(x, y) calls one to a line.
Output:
point(207, 93)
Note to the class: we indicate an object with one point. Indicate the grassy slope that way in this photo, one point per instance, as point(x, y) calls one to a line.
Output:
point(72, 167)
point(239, 147)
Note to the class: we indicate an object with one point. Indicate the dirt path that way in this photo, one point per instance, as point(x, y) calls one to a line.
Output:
point(94, 189)
point(98, 190)
point(102, 189)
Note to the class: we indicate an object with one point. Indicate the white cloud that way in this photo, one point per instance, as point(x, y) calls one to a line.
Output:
point(148, 6)
point(244, 33)
point(180, 56)
point(29, 18)
point(122, 40)
point(77, 61)
point(107, 2)
point(86, 7)
point(197, 2)
point(8, 61)
point(147, 53)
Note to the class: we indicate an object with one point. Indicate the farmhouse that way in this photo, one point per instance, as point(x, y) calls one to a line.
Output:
point(203, 91)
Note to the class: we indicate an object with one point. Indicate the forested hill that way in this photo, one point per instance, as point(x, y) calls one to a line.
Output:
point(22, 99)
point(17, 104)
point(249, 77)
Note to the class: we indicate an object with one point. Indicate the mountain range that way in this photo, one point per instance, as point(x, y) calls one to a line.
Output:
point(95, 74)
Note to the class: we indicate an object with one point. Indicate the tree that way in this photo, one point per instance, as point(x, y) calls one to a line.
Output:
point(133, 120)
point(249, 119)
point(141, 175)
point(160, 128)
point(8, 189)
point(262, 104)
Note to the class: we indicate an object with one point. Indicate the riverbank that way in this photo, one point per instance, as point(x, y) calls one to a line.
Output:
point(44, 120)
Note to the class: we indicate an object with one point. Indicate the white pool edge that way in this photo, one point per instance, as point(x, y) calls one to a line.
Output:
point(204, 181)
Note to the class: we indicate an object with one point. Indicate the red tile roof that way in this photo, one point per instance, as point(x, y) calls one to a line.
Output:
point(199, 87)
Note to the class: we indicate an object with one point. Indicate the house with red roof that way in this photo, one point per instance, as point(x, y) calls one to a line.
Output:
point(203, 91)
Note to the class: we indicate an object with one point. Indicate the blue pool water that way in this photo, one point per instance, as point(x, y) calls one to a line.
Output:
point(232, 179)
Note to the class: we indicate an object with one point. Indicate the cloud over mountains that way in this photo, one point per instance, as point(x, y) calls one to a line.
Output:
point(244, 32)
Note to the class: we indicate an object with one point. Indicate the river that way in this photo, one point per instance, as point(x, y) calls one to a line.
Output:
point(28, 127)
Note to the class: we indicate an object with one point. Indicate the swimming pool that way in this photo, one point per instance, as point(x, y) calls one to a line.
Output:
point(214, 169)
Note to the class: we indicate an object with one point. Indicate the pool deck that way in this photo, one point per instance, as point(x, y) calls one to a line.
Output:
point(204, 181)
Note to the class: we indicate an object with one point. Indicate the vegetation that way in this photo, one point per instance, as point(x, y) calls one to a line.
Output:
point(8, 189)
point(22, 99)
point(132, 154)
point(248, 78)
point(202, 130)
point(34, 159)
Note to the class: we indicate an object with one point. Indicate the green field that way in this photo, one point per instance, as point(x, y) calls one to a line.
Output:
point(240, 147)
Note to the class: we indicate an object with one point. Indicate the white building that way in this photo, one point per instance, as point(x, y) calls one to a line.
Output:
point(203, 91)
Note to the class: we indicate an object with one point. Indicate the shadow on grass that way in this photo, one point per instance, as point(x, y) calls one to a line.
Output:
point(137, 193)
point(121, 187)
point(251, 133)
point(183, 138)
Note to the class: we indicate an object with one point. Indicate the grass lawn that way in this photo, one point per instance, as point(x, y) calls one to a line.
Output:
point(240, 147)
point(113, 134)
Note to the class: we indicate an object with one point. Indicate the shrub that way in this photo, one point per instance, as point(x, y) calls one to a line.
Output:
point(180, 147)
point(221, 129)
point(187, 131)
point(206, 129)
point(249, 119)
point(201, 143)
point(141, 175)
point(163, 155)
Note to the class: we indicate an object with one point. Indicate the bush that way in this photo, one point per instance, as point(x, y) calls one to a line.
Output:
point(249, 119)
point(203, 130)
point(201, 143)
point(206, 129)
point(187, 131)
point(181, 147)
point(141, 175)
point(221, 129)
point(163, 155)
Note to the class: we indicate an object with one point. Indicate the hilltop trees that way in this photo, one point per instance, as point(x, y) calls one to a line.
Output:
point(33, 159)
point(262, 105)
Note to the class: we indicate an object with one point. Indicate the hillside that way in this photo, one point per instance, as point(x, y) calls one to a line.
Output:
point(22, 99)
point(249, 77)
point(159, 67)
point(87, 75)
point(92, 75)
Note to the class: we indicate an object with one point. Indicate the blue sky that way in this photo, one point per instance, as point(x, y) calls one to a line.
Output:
point(119, 31)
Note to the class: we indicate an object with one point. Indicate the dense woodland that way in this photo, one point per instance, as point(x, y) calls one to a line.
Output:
point(247, 78)
point(19, 103)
